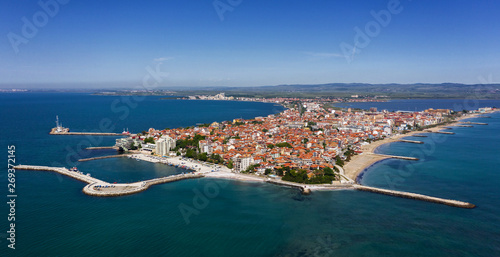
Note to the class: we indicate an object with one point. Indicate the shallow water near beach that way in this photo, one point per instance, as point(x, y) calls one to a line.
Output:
point(235, 218)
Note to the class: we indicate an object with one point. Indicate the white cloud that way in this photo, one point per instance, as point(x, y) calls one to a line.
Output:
point(162, 59)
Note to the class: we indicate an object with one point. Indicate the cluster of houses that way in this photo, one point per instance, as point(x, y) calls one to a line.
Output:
point(310, 139)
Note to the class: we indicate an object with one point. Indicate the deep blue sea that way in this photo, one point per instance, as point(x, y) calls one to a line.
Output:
point(54, 217)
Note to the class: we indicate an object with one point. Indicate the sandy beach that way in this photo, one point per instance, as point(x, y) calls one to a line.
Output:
point(367, 158)
point(208, 169)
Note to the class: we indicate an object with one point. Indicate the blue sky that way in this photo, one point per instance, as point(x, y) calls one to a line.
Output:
point(110, 43)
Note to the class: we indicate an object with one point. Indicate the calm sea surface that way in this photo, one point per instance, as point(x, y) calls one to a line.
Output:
point(54, 217)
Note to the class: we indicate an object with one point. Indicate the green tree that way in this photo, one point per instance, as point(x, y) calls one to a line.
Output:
point(296, 176)
point(149, 140)
point(190, 153)
point(230, 164)
point(284, 144)
point(339, 161)
point(328, 171)
point(203, 157)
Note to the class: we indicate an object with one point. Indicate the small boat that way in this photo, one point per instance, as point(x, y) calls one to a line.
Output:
point(74, 169)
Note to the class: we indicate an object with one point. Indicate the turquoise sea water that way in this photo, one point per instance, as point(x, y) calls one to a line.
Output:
point(54, 217)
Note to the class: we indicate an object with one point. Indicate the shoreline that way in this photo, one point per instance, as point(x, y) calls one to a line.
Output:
point(225, 173)
point(353, 170)
point(356, 168)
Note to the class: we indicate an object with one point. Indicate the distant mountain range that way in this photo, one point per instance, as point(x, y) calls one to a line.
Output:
point(419, 90)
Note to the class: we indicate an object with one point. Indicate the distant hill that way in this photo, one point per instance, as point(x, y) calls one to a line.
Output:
point(419, 90)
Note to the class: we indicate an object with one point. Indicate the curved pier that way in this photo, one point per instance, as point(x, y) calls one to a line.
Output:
point(106, 189)
point(426, 198)
point(97, 187)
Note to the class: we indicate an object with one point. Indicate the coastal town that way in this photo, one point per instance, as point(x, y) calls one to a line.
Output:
point(311, 145)
point(307, 143)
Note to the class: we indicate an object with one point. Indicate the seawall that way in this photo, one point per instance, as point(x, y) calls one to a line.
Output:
point(103, 157)
point(426, 198)
point(97, 187)
point(101, 147)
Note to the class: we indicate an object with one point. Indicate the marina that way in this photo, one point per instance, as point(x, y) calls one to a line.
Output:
point(97, 187)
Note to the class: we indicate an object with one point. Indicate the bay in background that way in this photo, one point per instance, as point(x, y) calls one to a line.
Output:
point(54, 217)
point(414, 105)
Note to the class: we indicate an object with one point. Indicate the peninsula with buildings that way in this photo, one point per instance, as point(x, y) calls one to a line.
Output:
point(310, 145)
point(306, 138)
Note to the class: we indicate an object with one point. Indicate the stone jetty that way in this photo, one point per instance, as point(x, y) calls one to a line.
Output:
point(426, 198)
point(65, 132)
point(441, 132)
point(474, 123)
point(97, 187)
point(103, 157)
point(106, 190)
point(61, 170)
point(396, 157)
point(101, 147)
point(410, 141)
